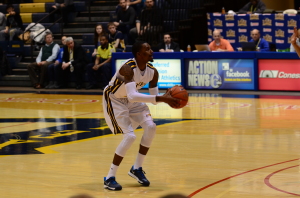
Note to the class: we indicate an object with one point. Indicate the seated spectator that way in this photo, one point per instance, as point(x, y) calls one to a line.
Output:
point(63, 7)
point(47, 55)
point(125, 19)
point(101, 65)
point(261, 44)
point(14, 23)
point(292, 49)
point(53, 68)
point(99, 31)
point(2, 27)
point(220, 44)
point(149, 24)
point(253, 6)
point(74, 60)
point(36, 32)
point(168, 45)
point(137, 5)
point(294, 40)
point(115, 37)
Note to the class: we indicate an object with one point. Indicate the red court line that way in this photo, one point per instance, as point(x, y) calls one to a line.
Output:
point(16, 125)
point(212, 184)
point(83, 114)
point(267, 181)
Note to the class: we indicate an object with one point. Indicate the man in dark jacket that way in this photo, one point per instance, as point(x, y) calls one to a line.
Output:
point(125, 19)
point(63, 7)
point(168, 45)
point(254, 6)
point(149, 24)
point(74, 60)
point(14, 23)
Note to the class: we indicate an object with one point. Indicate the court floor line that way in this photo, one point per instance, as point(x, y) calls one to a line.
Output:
point(267, 181)
point(16, 125)
point(234, 187)
point(227, 178)
point(48, 149)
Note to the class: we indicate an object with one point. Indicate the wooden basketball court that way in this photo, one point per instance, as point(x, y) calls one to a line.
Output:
point(220, 145)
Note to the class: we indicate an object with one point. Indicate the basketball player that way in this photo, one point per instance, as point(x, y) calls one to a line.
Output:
point(294, 41)
point(125, 110)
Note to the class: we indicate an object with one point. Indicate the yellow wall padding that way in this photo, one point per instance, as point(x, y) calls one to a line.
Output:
point(43, 1)
point(26, 17)
point(32, 7)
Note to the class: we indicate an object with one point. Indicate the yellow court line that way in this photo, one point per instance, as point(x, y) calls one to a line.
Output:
point(230, 189)
point(48, 150)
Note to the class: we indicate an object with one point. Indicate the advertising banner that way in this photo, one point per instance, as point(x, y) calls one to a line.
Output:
point(279, 75)
point(169, 71)
point(219, 74)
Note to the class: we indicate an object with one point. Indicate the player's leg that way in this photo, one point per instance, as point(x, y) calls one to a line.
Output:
point(117, 117)
point(142, 116)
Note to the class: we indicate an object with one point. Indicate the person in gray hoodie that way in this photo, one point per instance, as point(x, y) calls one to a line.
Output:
point(2, 27)
point(253, 6)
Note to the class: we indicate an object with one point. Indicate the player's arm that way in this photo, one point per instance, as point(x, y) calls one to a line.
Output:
point(134, 96)
point(293, 41)
point(130, 85)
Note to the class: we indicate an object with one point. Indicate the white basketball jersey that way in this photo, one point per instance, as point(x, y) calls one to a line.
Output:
point(141, 78)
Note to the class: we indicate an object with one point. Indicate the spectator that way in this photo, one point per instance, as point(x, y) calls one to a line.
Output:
point(125, 19)
point(47, 55)
point(292, 49)
point(137, 5)
point(253, 6)
point(101, 65)
point(65, 7)
point(220, 44)
point(149, 24)
point(53, 68)
point(14, 23)
point(168, 45)
point(2, 27)
point(115, 37)
point(74, 59)
point(99, 31)
point(261, 44)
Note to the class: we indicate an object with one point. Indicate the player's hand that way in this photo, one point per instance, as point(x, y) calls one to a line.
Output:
point(167, 98)
point(294, 36)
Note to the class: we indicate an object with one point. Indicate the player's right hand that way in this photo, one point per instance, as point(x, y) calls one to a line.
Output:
point(167, 98)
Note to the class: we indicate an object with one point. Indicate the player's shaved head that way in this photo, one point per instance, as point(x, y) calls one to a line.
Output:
point(137, 46)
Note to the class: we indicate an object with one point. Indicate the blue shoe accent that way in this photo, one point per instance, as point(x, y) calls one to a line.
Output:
point(111, 184)
point(139, 175)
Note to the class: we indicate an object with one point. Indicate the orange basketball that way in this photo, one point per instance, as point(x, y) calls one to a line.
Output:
point(179, 92)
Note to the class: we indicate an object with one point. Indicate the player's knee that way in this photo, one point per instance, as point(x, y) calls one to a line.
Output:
point(129, 137)
point(149, 135)
point(152, 129)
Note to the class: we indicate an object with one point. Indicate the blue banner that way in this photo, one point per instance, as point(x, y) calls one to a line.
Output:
point(219, 74)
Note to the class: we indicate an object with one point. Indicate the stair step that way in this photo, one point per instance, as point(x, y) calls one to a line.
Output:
point(79, 30)
point(13, 83)
point(94, 19)
point(16, 78)
point(110, 3)
point(96, 14)
point(19, 72)
point(103, 8)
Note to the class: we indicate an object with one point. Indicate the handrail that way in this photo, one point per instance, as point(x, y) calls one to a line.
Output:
point(41, 20)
